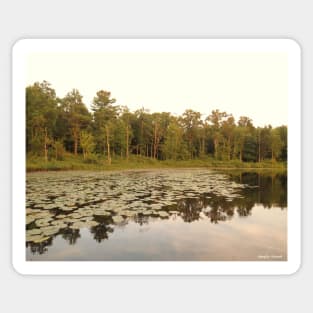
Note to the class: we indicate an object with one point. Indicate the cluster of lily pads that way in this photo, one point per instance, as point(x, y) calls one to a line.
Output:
point(75, 200)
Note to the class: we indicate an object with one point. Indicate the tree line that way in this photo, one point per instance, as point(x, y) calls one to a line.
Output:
point(57, 125)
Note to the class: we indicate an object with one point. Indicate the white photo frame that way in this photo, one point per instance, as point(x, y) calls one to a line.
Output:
point(19, 55)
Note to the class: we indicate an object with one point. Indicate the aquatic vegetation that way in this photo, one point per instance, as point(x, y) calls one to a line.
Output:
point(63, 203)
point(66, 199)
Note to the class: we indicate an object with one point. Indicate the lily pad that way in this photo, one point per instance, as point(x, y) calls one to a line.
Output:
point(117, 219)
point(163, 214)
point(29, 219)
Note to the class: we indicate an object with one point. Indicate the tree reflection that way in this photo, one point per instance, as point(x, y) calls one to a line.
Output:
point(101, 232)
point(39, 248)
point(141, 219)
point(71, 235)
point(269, 190)
point(189, 209)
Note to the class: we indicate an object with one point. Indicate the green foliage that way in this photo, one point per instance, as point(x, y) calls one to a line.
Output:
point(41, 107)
point(111, 136)
point(59, 150)
point(87, 143)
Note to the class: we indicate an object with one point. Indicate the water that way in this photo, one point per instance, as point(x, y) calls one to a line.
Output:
point(170, 215)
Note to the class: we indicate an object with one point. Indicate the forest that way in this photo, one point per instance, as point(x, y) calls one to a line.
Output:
point(57, 128)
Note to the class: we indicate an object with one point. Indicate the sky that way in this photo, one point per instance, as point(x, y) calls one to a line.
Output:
point(242, 83)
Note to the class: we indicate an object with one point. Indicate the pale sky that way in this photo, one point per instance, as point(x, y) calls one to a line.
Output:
point(244, 84)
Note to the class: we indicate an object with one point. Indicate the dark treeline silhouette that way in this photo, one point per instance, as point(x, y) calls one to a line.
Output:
point(56, 125)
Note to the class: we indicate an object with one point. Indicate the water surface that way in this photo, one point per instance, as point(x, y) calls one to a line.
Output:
point(177, 214)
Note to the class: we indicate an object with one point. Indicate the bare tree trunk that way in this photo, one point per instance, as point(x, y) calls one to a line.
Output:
point(155, 140)
point(203, 146)
point(141, 138)
point(259, 146)
point(240, 151)
point(107, 131)
point(127, 139)
point(215, 148)
point(46, 142)
point(75, 145)
point(176, 143)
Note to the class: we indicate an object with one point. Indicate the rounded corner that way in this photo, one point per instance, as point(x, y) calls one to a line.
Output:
point(294, 268)
point(19, 44)
point(294, 44)
point(17, 268)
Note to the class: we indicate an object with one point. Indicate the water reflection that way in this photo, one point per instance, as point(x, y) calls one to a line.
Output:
point(101, 232)
point(269, 190)
point(70, 235)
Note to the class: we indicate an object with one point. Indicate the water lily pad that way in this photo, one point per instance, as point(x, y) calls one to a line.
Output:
point(92, 223)
point(60, 216)
point(117, 219)
point(34, 231)
point(42, 222)
point(87, 218)
point(163, 214)
point(101, 212)
point(52, 230)
point(29, 219)
point(78, 225)
point(41, 239)
point(32, 238)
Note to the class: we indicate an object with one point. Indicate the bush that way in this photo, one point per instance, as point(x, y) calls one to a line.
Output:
point(91, 159)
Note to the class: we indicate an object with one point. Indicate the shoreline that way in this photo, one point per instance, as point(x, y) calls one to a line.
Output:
point(154, 168)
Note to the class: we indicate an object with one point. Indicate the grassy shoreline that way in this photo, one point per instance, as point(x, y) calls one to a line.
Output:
point(72, 163)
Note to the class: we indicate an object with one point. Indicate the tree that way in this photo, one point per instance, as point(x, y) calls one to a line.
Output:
point(87, 143)
point(174, 147)
point(276, 144)
point(58, 149)
point(143, 130)
point(104, 117)
point(283, 133)
point(228, 130)
point(190, 121)
point(41, 111)
point(264, 144)
point(76, 115)
point(242, 132)
point(215, 121)
point(160, 122)
point(126, 117)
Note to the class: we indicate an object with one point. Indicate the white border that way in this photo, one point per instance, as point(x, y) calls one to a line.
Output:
point(25, 46)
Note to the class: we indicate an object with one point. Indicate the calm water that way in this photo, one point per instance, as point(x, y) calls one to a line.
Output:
point(188, 214)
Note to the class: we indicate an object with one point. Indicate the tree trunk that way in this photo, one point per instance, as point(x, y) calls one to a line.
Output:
point(46, 149)
point(176, 144)
point(107, 132)
point(75, 145)
point(155, 141)
point(127, 144)
point(259, 147)
point(215, 148)
point(56, 152)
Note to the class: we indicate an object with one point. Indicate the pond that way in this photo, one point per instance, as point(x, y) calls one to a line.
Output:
point(156, 215)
